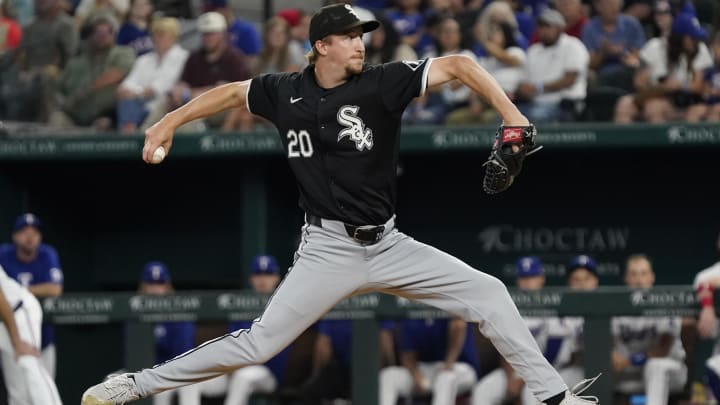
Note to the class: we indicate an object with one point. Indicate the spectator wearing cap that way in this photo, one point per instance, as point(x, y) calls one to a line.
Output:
point(152, 76)
point(34, 265)
point(242, 34)
point(215, 63)
point(171, 338)
point(614, 41)
point(648, 356)
point(503, 385)
point(556, 72)
point(574, 15)
point(299, 22)
point(671, 83)
point(239, 385)
point(88, 10)
point(88, 85)
point(581, 273)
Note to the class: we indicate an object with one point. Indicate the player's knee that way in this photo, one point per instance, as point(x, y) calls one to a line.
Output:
point(389, 375)
point(658, 366)
point(445, 377)
point(494, 287)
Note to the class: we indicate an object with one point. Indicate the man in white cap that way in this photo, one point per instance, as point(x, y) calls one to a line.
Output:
point(557, 69)
point(215, 63)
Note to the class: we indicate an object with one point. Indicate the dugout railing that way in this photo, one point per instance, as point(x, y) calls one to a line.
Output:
point(138, 312)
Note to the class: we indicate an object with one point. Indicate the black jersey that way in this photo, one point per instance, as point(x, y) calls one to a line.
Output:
point(342, 143)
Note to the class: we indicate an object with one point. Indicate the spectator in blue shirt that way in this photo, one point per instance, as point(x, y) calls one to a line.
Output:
point(240, 385)
point(36, 266)
point(243, 35)
point(263, 378)
point(437, 356)
point(409, 21)
point(614, 41)
point(135, 30)
point(171, 338)
point(332, 358)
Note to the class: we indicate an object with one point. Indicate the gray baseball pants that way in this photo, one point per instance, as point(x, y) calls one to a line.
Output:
point(330, 266)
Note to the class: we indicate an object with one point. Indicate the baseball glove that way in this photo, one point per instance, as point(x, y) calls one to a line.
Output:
point(504, 164)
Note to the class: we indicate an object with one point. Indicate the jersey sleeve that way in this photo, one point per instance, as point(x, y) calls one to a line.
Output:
point(402, 81)
point(184, 338)
point(262, 95)
point(51, 271)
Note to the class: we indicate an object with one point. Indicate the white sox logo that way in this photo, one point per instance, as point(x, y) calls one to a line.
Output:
point(354, 127)
point(351, 11)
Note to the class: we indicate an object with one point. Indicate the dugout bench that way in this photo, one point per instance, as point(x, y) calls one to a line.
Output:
point(138, 312)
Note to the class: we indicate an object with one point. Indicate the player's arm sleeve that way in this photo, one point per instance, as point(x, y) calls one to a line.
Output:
point(52, 272)
point(576, 60)
point(400, 82)
point(185, 339)
point(262, 95)
point(637, 38)
point(590, 38)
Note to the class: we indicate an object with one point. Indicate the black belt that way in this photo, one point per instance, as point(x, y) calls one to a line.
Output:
point(18, 306)
point(364, 234)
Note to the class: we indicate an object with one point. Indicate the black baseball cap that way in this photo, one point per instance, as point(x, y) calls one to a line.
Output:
point(337, 19)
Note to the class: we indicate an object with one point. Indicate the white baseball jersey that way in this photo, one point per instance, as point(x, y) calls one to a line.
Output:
point(711, 275)
point(25, 371)
point(12, 290)
point(638, 334)
point(553, 335)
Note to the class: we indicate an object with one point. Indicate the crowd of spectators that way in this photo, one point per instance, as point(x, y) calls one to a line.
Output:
point(119, 65)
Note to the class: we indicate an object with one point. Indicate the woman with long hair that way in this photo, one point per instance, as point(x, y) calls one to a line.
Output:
point(671, 83)
point(505, 61)
point(385, 44)
point(135, 30)
point(277, 55)
point(497, 12)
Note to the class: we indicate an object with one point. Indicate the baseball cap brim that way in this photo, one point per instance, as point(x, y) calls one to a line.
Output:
point(367, 26)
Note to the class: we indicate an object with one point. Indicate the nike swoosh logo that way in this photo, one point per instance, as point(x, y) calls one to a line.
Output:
point(295, 100)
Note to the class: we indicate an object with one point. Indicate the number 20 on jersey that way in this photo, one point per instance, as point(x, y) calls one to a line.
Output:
point(299, 144)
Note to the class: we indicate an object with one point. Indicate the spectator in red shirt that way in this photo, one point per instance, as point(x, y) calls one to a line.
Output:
point(10, 32)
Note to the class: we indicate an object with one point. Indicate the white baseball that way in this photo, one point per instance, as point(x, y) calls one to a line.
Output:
point(158, 155)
